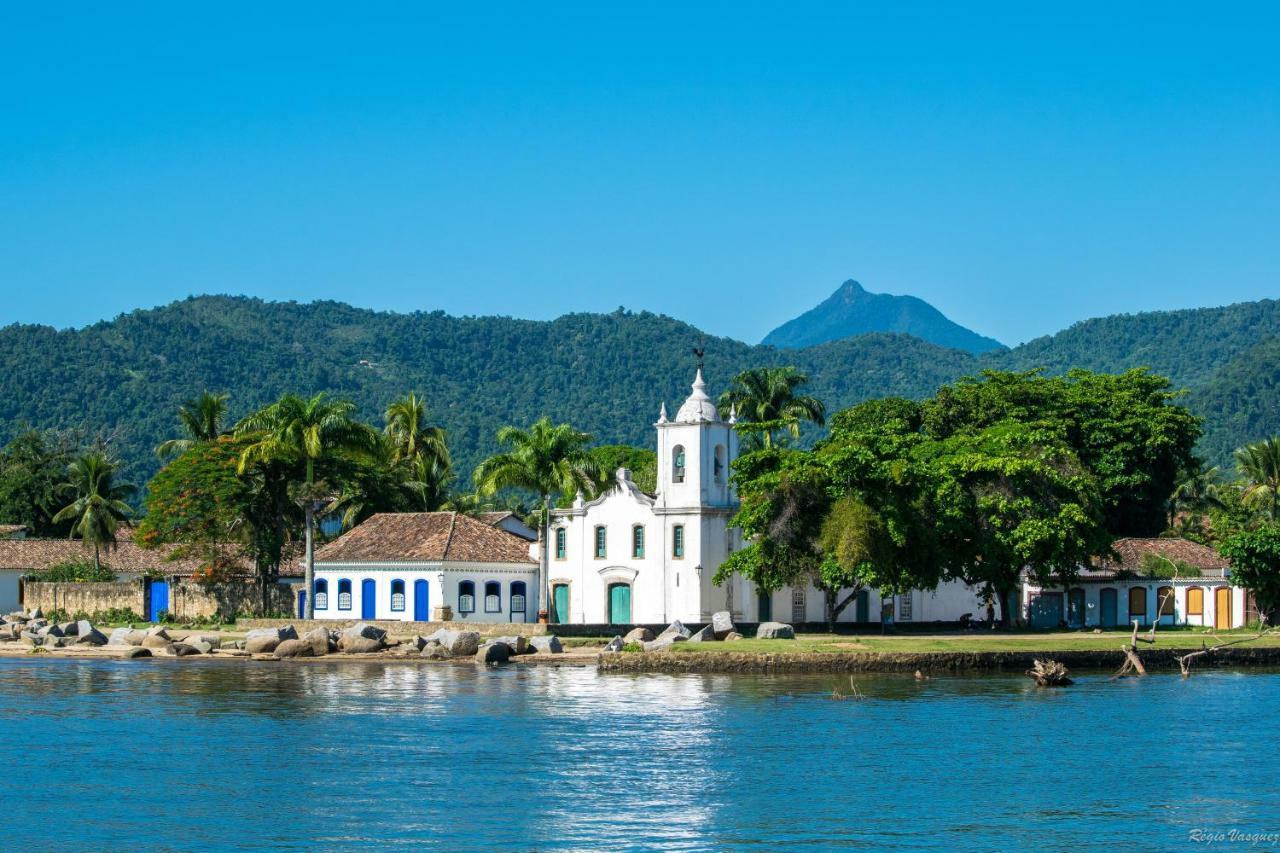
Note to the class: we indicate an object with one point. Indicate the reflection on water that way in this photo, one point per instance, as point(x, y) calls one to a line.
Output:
point(217, 755)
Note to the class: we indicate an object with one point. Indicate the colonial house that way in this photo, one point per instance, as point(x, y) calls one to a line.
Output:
point(1123, 589)
point(427, 566)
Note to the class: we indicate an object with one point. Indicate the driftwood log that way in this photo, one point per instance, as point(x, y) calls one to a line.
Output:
point(1049, 673)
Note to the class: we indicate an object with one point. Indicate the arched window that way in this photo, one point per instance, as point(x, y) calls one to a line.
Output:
point(344, 594)
point(518, 598)
point(600, 542)
point(677, 464)
point(561, 537)
point(1138, 603)
point(467, 597)
point(1195, 601)
point(637, 542)
point(718, 464)
point(322, 594)
point(492, 597)
point(1164, 601)
point(677, 541)
point(397, 595)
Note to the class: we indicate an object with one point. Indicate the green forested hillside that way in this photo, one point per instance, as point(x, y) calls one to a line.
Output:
point(606, 373)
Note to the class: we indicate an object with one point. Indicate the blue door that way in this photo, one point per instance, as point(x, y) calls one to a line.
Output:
point(1108, 600)
point(159, 600)
point(421, 610)
point(368, 599)
point(302, 604)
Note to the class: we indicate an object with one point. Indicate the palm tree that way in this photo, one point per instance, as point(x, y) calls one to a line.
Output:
point(766, 398)
point(202, 420)
point(1197, 493)
point(99, 507)
point(548, 460)
point(409, 433)
point(295, 430)
point(1259, 464)
point(429, 479)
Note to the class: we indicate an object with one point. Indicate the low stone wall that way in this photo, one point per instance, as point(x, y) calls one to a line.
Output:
point(934, 662)
point(404, 629)
point(186, 600)
point(91, 598)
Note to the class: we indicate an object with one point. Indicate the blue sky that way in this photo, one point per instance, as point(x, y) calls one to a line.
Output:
point(1021, 167)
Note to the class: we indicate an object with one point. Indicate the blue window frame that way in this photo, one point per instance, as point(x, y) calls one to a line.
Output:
point(561, 550)
point(344, 594)
point(518, 598)
point(322, 594)
point(492, 597)
point(397, 595)
point(601, 541)
point(677, 541)
point(466, 597)
point(637, 542)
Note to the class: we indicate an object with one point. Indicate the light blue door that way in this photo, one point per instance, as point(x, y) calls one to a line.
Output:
point(1107, 598)
point(421, 604)
point(368, 599)
point(159, 603)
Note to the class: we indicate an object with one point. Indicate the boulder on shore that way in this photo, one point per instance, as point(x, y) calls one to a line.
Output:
point(199, 644)
point(364, 629)
point(135, 652)
point(775, 631)
point(722, 623)
point(548, 644)
point(318, 640)
point(90, 636)
point(296, 649)
point(706, 635)
point(638, 635)
point(461, 643)
point(50, 631)
point(676, 629)
point(155, 641)
point(731, 636)
point(493, 653)
point(159, 631)
point(519, 644)
point(358, 645)
point(264, 640)
point(69, 629)
point(433, 649)
point(664, 642)
point(616, 644)
point(182, 650)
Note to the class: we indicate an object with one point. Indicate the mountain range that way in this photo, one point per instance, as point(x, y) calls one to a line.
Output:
point(605, 373)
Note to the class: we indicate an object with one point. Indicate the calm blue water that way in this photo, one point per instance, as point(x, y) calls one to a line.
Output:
point(223, 756)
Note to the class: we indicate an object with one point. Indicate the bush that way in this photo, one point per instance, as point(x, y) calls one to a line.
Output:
point(1155, 566)
point(79, 570)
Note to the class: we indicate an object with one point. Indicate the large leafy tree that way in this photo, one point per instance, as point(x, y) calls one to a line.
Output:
point(1255, 564)
point(203, 503)
point(1124, 428)
point(296, 431)
point(1010, 499)
point(33, 471)
point(548, 460)
point(100, 505)
point(767, 400)
point(202, 418)
point(1259, 466)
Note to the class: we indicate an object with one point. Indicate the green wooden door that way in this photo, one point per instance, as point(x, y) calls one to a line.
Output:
point(862, 611)
point(764, 606)
point(560, 603)
point(620, 604)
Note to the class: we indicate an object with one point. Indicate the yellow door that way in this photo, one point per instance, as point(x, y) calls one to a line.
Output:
point(1222, 607)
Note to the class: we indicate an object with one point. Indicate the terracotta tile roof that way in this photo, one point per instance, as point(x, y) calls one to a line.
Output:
point(425, 536)
point(494, 517)
point(1131, 551)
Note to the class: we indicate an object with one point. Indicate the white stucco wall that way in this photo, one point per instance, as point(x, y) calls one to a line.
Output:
point(443, 581)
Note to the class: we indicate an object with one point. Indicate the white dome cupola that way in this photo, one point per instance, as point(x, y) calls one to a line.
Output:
point(698, 408)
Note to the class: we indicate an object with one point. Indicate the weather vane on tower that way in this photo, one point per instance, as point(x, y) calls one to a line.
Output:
point(698, 353)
